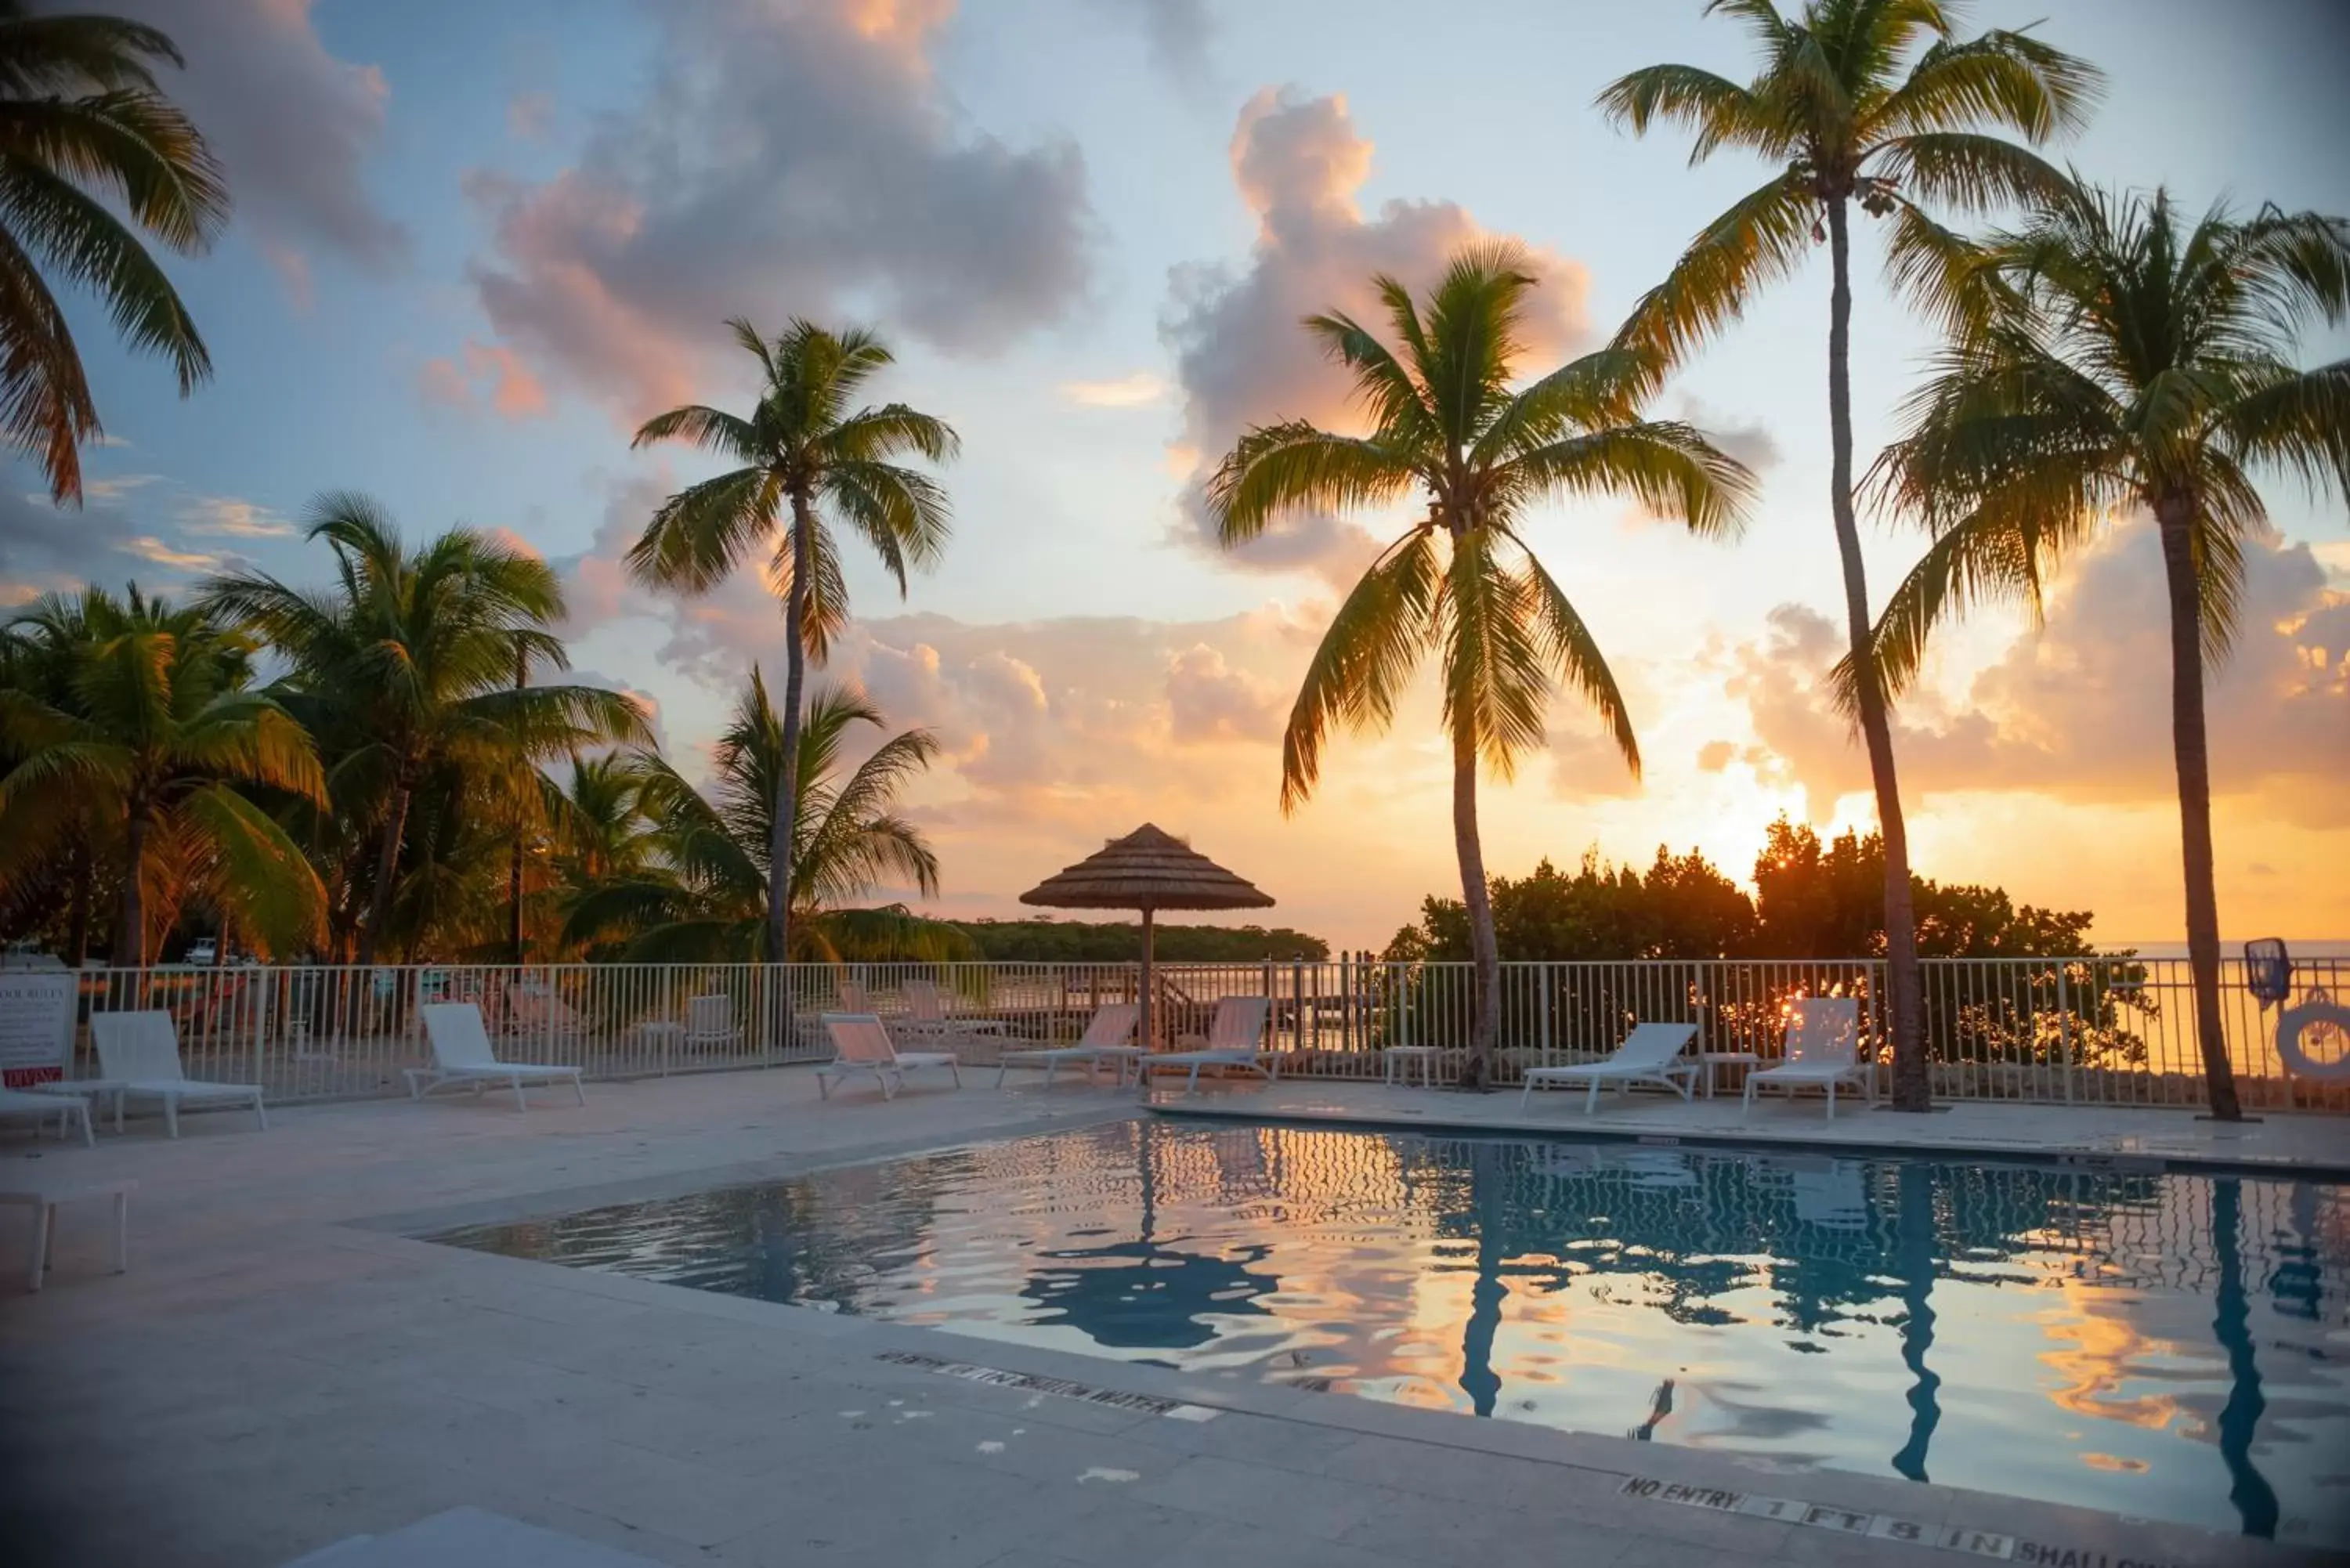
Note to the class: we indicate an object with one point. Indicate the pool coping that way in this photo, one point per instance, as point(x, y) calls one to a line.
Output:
point(2127, 1163)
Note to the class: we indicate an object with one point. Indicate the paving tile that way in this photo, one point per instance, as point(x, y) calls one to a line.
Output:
point(1230, 1545)
point(1230, 1490)
point(1424, 1531)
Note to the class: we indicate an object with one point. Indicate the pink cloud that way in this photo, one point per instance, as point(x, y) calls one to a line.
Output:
point(796, 158)
point(1243, 356)
point(490, 371)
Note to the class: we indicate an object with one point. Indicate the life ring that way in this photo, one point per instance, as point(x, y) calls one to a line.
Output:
point(2293, 1021)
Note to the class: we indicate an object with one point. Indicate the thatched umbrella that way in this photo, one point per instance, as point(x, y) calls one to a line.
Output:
point(1147, 870)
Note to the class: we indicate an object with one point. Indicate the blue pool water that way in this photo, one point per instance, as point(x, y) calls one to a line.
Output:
point(2169, 1346)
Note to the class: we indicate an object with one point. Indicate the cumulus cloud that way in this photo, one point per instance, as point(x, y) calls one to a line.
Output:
point(1241, 357)
point(1749, 441)
point(44, 550)
point(293, 126)
point(155, 552)
point(1208, 699)
point(2080, 711)
point(793, 156)
point(489, 374)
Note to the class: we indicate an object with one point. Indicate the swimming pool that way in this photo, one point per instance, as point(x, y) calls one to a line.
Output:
point(2169, 1346)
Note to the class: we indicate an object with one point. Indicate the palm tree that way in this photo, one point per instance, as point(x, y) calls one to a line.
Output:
point(153, 750)
point(802, 454)
point(1854, 110)
point(406, 666)
point(2110, 355)
point(707, 896)
point(83, 125)
point(1447, 428)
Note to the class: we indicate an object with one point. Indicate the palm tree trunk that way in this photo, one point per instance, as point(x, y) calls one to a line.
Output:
point(130, 920)
point(2190, 748)
point(514, 869)
point(386, 867)
point(788, 780)
point(1912, 1084)
point(84, 887)
point(1484, 1029)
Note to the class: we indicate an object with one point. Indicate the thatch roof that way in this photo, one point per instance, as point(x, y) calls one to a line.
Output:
point(1147, 869)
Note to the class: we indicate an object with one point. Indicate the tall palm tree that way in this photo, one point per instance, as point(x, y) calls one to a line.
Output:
point(82, 125)
point(154, 748)
point(803, 453)
point(406, 665)
point(1449, 429)
point(707, 896)
point(1853, 109)
point(2111, 355)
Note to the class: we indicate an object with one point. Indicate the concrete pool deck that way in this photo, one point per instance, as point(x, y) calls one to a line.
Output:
point(283, 1368)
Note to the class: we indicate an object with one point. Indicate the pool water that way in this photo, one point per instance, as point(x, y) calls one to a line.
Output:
point(2171, 1346)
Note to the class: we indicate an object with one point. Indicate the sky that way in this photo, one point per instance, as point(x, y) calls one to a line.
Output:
point(476, 245)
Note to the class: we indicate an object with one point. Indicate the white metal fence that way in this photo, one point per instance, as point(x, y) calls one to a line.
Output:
point(2091, 1031)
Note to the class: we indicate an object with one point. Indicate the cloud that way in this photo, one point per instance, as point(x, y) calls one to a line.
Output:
point(1241, 357)
point(1142, 388)
point(148, 548)
point(1749, 441)
point(490, 372)
point(45, 550)
point(293, 126)
point(799, 156)
point(225, 517)
point(1177, 30)
point(1209, 701)
point(2080, 711)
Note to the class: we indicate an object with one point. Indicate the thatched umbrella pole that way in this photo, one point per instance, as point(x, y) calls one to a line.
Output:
point(1147, 870)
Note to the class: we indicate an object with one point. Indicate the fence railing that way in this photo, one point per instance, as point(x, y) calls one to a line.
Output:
point(2087, 1031)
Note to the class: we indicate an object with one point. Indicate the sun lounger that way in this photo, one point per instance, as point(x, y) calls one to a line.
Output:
point(139, 1057)
point(1823, 1050)
point(710, 1020)
point(1108, 1038)
point(864, 1047)
point(928, 1020)
point(1649, 1055)
point(1233, 1040)
point(67, 1109)
point(462, 1054)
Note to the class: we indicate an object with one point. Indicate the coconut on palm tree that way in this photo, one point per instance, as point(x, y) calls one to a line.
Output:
point(1882, 103)
point(150, 751)
point(2113, 355)
point(404, 671)
point(808, 460)
point(86, 133)
point(1453, 434)
point(706, 893)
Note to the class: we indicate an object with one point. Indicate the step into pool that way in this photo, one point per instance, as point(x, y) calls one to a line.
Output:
point(2171, 1346)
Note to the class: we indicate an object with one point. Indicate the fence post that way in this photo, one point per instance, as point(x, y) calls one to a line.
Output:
point(2065, 1024)
point(1547, 1036)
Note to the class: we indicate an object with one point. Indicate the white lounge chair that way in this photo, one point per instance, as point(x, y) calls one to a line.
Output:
point(462, 1054)
point(1823, 1050)
point(710, 1020)
point(864, 1047)
point(138, 1058)
point(67, 1109)
point(927, 1018)
point(1649, 1055)
point(1233, 1040)
point(1108, 1038)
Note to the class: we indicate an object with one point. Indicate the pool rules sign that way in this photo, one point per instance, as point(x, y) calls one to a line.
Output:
point(37, 1022)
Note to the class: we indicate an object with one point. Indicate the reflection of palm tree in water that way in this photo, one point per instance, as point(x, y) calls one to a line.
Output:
point(1916, 1246)
point(2239, 1418)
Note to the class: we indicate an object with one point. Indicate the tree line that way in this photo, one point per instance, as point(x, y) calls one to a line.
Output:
point(2108, 351)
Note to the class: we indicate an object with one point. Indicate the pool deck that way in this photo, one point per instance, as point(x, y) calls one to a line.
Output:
point(2116, 1135)
point(285, 1366)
